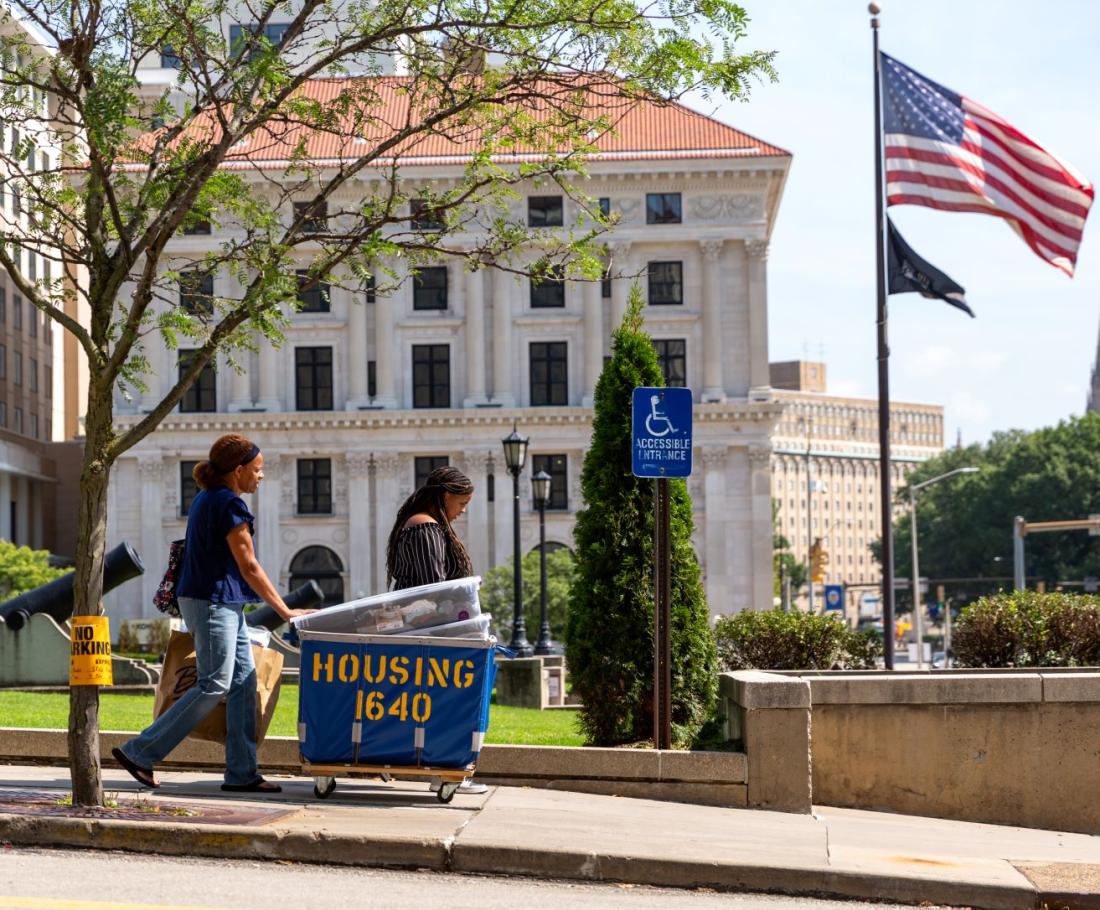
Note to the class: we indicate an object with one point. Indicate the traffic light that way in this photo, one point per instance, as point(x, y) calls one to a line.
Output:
point(818, 560)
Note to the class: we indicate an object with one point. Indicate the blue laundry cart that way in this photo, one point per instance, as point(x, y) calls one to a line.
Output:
point(393, 704)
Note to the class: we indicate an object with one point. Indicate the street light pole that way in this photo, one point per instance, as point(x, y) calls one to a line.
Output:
point(540, 489)
point(515, 454)
point(809, 421)
point(918, 619)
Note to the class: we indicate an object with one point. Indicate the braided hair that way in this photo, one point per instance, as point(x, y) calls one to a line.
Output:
point(428, 500)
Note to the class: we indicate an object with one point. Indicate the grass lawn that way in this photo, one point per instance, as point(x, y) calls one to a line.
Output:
point(514, 726)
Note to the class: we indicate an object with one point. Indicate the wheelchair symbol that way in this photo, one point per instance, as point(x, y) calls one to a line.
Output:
point(657, 417)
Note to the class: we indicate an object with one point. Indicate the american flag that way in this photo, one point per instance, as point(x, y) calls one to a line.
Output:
point(947, 152)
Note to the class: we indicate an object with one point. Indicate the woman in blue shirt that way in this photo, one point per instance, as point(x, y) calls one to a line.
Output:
point(219, 574)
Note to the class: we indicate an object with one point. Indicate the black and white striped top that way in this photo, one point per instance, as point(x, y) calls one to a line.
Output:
point(424, 556)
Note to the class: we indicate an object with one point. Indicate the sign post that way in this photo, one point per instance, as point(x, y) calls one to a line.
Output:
point(661, 449)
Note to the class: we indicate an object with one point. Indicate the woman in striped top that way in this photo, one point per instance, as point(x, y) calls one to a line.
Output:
point(423, 547)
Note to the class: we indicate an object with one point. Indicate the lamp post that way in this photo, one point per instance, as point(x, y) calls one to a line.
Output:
point(808, 422)
point(540, 491)
point(918, 622)
point(515, 456)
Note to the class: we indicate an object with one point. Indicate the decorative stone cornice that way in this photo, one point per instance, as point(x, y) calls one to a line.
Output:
point(714, 456)
point(359, 463)
point(711, 249)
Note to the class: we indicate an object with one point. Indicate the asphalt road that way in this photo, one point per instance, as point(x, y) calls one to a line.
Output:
point(95, 880)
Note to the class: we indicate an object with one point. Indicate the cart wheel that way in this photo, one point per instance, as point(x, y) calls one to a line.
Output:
point(448, 790)
point(323, 787)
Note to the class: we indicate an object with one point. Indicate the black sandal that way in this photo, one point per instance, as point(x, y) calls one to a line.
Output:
point(138, 773)
point(259, 785)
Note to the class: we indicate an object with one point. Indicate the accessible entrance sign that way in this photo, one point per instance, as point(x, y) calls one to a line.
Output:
point(661, 432)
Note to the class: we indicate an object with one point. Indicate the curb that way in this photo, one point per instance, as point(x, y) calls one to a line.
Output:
point(451, 855)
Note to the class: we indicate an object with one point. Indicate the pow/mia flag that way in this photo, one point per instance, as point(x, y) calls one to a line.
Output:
point(906, 272)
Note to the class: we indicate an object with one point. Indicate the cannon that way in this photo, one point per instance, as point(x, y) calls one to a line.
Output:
point(301, 598)
point(56, 597)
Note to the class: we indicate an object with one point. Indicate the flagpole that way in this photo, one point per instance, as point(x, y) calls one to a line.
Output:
point(887, 516)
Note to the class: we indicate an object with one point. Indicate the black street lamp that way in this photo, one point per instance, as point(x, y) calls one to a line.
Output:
point(515, 455)
point(540, 491)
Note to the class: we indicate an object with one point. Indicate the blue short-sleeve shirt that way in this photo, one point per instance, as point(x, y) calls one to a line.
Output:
point(209, 571)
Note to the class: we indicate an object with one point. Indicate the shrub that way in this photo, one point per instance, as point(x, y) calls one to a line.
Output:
point(775, 640)
point(1029, 629)
point(497, 594)
point(609, 633)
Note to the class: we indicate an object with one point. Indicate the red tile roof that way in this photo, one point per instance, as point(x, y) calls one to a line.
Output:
point(640, 131)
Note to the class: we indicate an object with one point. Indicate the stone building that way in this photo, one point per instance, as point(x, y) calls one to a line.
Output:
point(370, 392)
point(837, 438)
point(30, 344)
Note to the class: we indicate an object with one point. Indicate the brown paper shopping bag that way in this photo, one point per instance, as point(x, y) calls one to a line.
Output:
point(179, 675)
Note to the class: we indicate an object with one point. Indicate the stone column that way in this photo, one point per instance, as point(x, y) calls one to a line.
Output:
point(270, 399)
point(240, 384)
point(713, 298)
point(6, 530)
point(759, 379)
point(153, 552)
point(475, 339)
point(359, 534)
point(623, 267)
point(715, 510)
point(385, 341)
point(357, 352)
point(160, 372)
point(34, 488)
point(593, 339)
point(761, 537)
point(386, 482)
point(477, 512)
point(268, 499)
point(504, 289)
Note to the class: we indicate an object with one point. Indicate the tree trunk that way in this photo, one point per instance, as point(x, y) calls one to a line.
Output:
point(91, 544)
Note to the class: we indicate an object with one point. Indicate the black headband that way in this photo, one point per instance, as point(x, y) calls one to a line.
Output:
point(250, 456)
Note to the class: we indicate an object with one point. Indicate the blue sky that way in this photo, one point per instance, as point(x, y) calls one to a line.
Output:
point(1025, 360)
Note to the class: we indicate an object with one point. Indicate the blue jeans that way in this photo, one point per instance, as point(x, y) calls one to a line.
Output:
point(224, 667)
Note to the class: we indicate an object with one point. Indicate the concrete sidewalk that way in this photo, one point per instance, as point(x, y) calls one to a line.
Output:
point(554, 834)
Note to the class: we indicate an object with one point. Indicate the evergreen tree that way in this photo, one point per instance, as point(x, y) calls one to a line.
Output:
point(609, 635)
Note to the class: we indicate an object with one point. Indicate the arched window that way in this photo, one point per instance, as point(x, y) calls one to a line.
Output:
point(321, 565)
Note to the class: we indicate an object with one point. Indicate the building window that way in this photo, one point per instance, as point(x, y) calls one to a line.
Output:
point(430, 289)
point(200, 227)
point(544, 211)
point(548, 291)
point(197, 292)
point(239, 35)
point(549, 373)
point(372, 379)
point(3, 305)
point(424, 218)
point(423, 465)
point(370, 290)
point(48, 380)
point(17, 368)
point(662, 208)
point(321, 565)
point(18, 427)
point(666, 283)
point(315, 299)
point(32, 317)
point(312, 215)
point(168, 59)
point(557, 466)
point(313, 378)
point(202, 396)
point(34, 425)
point(188, 488)
point(672, 359)
point(604, 203)
point(33, 374)
point(3, 414)
point(314, 486)
point(3, 361)
point(605, 283)
point(17, 313)
point(431, 375)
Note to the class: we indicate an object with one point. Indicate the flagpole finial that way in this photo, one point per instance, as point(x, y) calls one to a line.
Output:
point(874, 9)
